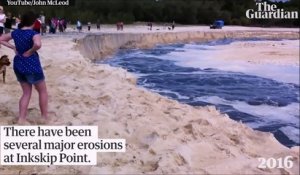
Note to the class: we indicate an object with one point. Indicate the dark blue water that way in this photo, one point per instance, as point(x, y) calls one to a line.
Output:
point(247, 98)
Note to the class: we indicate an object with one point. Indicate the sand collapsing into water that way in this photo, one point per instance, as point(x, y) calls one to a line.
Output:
point(163, 136)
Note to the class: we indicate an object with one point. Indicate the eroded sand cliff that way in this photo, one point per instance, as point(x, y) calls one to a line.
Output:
point(99, 46)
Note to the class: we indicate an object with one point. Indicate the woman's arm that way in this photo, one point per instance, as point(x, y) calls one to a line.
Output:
point(4, 40)
point(37, 44)
point(3, 20)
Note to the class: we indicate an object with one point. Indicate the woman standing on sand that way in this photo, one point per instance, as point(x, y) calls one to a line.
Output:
point(27, 66)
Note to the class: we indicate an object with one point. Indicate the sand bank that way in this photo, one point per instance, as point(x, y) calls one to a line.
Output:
point(284, 52)
point(163, 135)
point(100, 45)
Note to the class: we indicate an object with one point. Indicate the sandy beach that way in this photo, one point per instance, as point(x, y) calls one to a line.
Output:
point(163, 136)
point(284, 52)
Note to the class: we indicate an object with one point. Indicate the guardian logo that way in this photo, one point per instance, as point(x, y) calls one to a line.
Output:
point(270, 11)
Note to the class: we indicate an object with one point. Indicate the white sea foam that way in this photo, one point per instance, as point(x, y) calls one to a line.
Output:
point(269, 114)
point(202, 56)
point(292, 133)
point(179, 96)
point(288, 115)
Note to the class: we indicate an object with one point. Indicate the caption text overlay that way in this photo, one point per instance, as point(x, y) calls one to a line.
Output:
point(54, 145)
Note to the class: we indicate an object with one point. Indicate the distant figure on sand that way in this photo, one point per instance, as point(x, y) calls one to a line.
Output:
point(120, 26)
point(78, 26)
point(149, 25)
point(61, 25)
point(37, 26)
point(89, 26)
point(98, 24)
point(173, 25)
point(65, 23)
point(53, 25)
point(43, 22)
point(2, 20)
point(27, 66)
point(8, 23)
point(18, 21)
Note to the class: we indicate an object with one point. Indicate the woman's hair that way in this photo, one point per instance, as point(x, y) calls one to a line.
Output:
point(27, 19)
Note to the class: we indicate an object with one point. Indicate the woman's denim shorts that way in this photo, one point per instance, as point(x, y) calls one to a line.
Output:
point(33, 78)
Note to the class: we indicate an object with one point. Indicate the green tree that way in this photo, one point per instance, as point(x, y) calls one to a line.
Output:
point(181, 11)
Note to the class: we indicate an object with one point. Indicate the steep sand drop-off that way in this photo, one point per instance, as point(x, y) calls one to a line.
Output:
point(99, 46)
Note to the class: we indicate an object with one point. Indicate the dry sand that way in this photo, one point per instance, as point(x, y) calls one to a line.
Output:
point(163, 135)
point(284, 52)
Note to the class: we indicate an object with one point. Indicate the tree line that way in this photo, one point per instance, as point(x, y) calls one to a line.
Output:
point(195, 12)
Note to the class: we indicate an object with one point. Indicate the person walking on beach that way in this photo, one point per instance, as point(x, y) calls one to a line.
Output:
point(37, 26)
point(27, 66)
point(18, 21)
point(121, 26)
point(8, 23)
point(173, 25)
point(149, 25)
point(98, 24)
point(43, 22)
point(118, 26)
point(53, 26)
point(79, 26)
point(89, 26)
point(61, 25)
point(64, 23)
point(2, 20)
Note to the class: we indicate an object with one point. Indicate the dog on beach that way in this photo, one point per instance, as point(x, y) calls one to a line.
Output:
point(4, 61)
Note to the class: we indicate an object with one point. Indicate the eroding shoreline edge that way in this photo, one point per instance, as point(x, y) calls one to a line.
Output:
point(100, 46)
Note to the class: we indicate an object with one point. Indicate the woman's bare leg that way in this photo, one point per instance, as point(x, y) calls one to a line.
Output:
point(24, 101)
point(43, 98)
